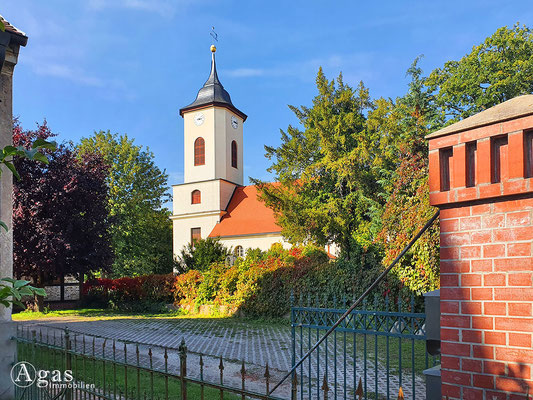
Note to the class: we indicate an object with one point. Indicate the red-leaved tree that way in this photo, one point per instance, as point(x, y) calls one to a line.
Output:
point(60, 216)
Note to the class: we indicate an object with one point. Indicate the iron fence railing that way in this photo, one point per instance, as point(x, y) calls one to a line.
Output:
point(108, 369)
point(331, 329)
point(371, 354)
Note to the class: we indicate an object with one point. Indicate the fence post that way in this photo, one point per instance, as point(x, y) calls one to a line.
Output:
point(243, 378)
point(294, 389)
point(293, 330)
point(68, 362)
point(400, 393)
point(221, 368)
point(325, 387)
point(183, 369)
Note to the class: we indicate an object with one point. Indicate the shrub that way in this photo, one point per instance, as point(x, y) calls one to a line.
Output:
point(148, 293)
point(204, 253)
point(261, 284)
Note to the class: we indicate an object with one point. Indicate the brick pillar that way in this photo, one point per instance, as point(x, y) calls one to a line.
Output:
point(481, 173)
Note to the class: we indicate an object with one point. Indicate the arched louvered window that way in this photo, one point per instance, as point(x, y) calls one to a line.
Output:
point(199, 151)
point(196, 197)
point(239, 251)
point(234, 154)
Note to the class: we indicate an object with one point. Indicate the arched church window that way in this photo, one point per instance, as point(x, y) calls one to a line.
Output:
point(234, 154)
point(196, 197)
point(239, 251)
point(199, 151)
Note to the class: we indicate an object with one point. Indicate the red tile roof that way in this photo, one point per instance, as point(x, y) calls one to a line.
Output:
point(11, 28)
point(246, 215)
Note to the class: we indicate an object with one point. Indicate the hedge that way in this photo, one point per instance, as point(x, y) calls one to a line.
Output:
point(139, 294)
point(261, 284)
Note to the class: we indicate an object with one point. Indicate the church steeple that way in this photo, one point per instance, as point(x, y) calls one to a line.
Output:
point(213, 93)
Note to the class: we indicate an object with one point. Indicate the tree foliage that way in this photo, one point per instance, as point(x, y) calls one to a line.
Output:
point(494, 71)
point(355, 172)
point(202, 254)
point(60, 217)
point(141, 230)
point(325, 185)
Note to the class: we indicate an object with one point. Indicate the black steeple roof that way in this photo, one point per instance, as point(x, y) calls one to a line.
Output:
point(213, 93)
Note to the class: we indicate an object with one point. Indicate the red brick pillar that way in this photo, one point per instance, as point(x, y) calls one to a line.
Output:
point(481, 173)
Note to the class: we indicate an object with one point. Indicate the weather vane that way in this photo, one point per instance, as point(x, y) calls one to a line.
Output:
point(214, 35)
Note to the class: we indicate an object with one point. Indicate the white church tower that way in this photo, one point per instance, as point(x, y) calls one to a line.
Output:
point(213, 147)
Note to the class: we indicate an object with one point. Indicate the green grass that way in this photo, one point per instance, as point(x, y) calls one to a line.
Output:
point(408, 359)
point(99, 313)
point(115, 377)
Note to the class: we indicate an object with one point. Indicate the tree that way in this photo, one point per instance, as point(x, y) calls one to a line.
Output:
point(325, 189)
point(496, 70)
point(141, 231)
point(202, 254)
point(401, 126)
point(60, 216)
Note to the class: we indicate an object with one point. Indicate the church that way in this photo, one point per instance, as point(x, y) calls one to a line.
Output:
point(212, 201)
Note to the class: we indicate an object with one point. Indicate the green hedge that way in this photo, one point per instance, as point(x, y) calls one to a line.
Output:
point(261, 284)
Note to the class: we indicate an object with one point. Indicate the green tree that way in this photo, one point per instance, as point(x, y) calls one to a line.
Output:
point(202, 254)
point(497, 70)
point(141, 231)
point(325, 190)
point(399, 126)
point(494, 71)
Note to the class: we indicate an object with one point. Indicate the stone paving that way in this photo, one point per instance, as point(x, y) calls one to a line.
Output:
point(234, 341)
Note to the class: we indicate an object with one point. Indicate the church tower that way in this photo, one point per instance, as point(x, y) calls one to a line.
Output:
point(213, 162)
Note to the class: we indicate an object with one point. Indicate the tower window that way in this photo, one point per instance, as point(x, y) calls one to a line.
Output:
point(196, 234)
point(234, 154)
point(196, 197)
point(239, 251)
point(199, 151)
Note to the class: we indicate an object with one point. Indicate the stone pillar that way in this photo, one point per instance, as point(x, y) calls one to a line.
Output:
point(10, 42)
point(481, 173)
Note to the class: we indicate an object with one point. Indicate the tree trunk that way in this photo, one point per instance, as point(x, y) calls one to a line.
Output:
point(38, 301)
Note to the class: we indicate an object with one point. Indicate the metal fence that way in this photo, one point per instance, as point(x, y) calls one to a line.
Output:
point(108, 369)
point(378, 349)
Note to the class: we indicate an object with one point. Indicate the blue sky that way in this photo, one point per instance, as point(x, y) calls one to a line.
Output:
point(129, 65)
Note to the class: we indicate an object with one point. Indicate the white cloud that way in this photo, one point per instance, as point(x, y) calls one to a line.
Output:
point(355, 67)
point(162, 7)
point(66, 72)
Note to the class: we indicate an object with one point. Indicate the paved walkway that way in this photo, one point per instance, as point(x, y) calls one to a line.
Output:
point(234, 341)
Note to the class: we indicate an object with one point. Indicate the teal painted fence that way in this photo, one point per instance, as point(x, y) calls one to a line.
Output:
point(377, 349)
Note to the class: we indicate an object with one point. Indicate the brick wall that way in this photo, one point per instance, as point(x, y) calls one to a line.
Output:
point(487, 299)
point(481, 177)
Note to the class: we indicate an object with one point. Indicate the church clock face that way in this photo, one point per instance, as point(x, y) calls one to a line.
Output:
point(234, 122)
point(199, 119)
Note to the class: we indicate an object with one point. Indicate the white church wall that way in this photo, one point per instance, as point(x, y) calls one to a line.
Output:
point(233, 174)
point(215, 195)
point(261, 241)
point(182, 228)
point(191, 132)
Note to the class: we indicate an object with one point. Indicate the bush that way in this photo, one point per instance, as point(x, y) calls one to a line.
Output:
point(261, 284)
point(204, 253)
point(148, 293)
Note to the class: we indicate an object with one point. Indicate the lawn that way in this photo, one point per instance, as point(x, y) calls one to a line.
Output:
point(114, 379)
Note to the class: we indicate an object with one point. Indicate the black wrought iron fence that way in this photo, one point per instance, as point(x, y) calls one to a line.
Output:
point(108, 369)
point(371, 355)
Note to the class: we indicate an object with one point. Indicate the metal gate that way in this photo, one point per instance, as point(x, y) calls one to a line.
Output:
point(376, 350)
